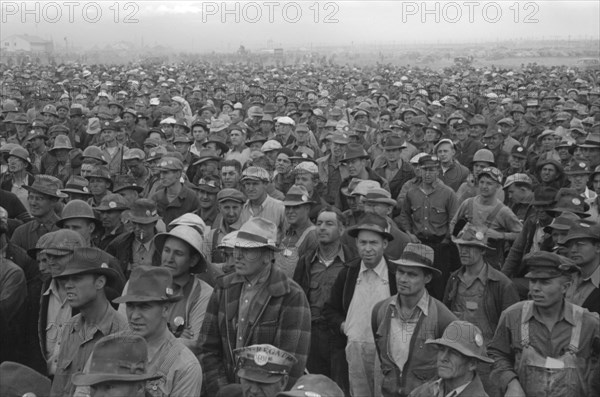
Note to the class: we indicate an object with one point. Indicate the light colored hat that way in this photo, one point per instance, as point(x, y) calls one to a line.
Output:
point(270, 145)
point(307, 166)
point(255, 173)
point(263, 363)
point(134, 153)
point(417, 255)
point(286, 120)
point(518, 178)
point(191, 235)
point(257, 233)
point(465, 338)
point(379, 195)
point(93, 126)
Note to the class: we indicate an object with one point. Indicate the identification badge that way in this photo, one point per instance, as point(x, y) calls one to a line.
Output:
point(554, 363)
point(287, 252)
point(472, 305)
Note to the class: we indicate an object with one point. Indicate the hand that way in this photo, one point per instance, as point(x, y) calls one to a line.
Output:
point(514, 389)
point(491, 233)
point(187, 334)
point(413, 238)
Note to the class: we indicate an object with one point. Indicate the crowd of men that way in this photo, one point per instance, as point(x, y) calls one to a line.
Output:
point(237, 230)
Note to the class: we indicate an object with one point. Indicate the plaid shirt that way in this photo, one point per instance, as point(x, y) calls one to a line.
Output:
point(280, 318)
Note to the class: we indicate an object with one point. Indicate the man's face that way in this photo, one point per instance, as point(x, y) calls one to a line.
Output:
point(143, 232)
point(207, 199)
point(98, 186)
point(392, 155)
point(411, 280)
point(517, 163)
point(129, 119)
point(230, 177)
point(445, 153)
point(487, 187)
point(356, 167)
point(129, 195)
point(429, 174)
point(82, 289)
point(255, 189)
point(168, 178)
point(547, 292)
point(283, 164)
point(117, 389)
point(110, 219)
point(230, 211)
point(469, 255)
point(453, 365)
point(302, 137)
point(182, 147)
point(516, 194)
point(249, 262)
point(583, 251)
point(476, 131)
point(495, 141)
point(256, 389)
point(208, 167)
point(56, 263)
point(199, 134)
point(40, 204)
point(305, 179)
point(579, 182)
point(297, 215)
point(328, 227)
point(596, 183)
point(548, 173)
point(15, 164)
point(37, 143)
point(146, 318)
point(370, 246)
point(177, 256)
point(84, 227)
point(338, 149)
point(136, 167)
point(108, 136)
point(237, 138)
point(462, 134)
point(380, 209)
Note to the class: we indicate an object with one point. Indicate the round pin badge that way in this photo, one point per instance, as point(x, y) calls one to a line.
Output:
point(479, 236)
point(478, 340)
point(576, 201)
point(112, 204)
point(104, 266)
point(304, 198)
point(148, 213)
point(178, 321)
point(261, 358)
point(85, 189)
point(582, 165)
point(519, 149)
point(169, 291)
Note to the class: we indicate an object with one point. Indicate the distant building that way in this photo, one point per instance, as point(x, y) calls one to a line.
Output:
point(26, 43)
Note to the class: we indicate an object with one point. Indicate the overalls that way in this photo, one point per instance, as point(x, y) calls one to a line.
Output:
point(546, 376)
point(287, 259)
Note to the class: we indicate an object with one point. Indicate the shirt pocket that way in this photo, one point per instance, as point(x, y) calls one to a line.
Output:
point(416, 211)
point(439, 216)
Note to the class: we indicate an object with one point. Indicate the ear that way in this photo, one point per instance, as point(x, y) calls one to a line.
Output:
point(385, 243)
point(428, 277)
point(100, 282)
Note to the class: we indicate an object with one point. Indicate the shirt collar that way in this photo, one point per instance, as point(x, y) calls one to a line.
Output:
point(103, 326)
point(260, 278)
point(381, 269)
point(482, 275)
point(339, 255)
point(458, 390)
point(422, 304)
point(148, 245)
point(594, 278)
point(567, 313)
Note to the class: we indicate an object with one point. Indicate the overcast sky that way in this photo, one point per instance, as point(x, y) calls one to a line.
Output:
point(202, 26)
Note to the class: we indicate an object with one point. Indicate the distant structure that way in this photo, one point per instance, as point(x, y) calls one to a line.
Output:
point(25, 43)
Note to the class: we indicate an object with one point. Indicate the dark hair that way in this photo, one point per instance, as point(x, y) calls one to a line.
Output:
point(341, 218)
point(523, 184)
point(232, 163)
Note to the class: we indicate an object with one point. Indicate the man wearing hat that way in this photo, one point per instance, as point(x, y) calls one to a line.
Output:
point(357, 162)
point(477, 292)
point(19, 173)
point(519, 190)
point(86, 276)
point(582, 245)
point(486, 210)
point(255, 181)
point(136, 247)
point(117, 367)
point(393, 168)
point(331, 170)
point(459, 352)
point(148, 302)
point(111, 210)
point(59, 160)
point(239, 151)
point(263, 370)
point(578, 174)
point(256, 304)
point(135, 162)
point(112, 149)
point(284, 129)
point(403, 322)
point(43, 196)
point(300, 233)
point(451, 172)
point(306, 174)
point(173, 199)
point(100, 184)
point(494, 140)
point(425, 216)
point(545, 346)
point(364, 281)
point(206, 189)
point(77, 215)
point(229, 202)
point(465, 145)
point(18, 380)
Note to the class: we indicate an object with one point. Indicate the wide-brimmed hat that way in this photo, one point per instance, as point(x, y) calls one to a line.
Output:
point(48, 185)
point(359, 187)
point(61, 142)
point(372, 223)
point(417, 255)
point(297, 195)
point(18, 380)
point(89, 260)
point(77, 185)
point(143, 211)
point(581, 229)
point(77, 209)
point(257, 233)
point(544, 196)
point(379, 195)
point(118, 358)
point(207, 155)
point(354, 151)
point(20, 153)
point(568, 200)
point(37, 134)
point(217, 140)
point(394, 142)
point(472, 235)
point(124, 182)
point(564, 222)
point(149, 284)
point(578, 168)
point(94, 152)
point(101, 172)
point(465, 338)
point(194, 236)
point(112, 202)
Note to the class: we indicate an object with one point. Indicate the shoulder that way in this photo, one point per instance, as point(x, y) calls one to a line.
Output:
point(514, 311)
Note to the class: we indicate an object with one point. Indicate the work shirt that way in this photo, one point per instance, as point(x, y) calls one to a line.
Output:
point(506, 343)
point(243, 156)
point(26, 236)
point(428, 214)
point(250, 289)
point(469, 305)
point(78, 341)
point(581, 288)
point(59, 313)
point(271, 209)
point(403, 328)
point(322, 278)
point(142, 252)
point(186, 201)
point(372, 286)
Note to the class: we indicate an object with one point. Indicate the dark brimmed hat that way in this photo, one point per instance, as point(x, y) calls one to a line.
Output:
point(257, 233)
point(149, 284)
point(18, 380)
point(394, 142)
point(48, 185)
point(472, 235)
point(119, 357)
point(417, 255)
point(313, 385)
point(544, 264)
point(263, 363)
point(372, 223)
point(297, 195)
point(581, 229)
point(544, 196)
point(124, 182)
point(112, 202)
point(89, 260)
point(207, 155)
point(465, 338)
point(77, 185)
point(568, 200)
point(218, 140)
point(354, 151)
point(77, 209)
point(144, 211)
